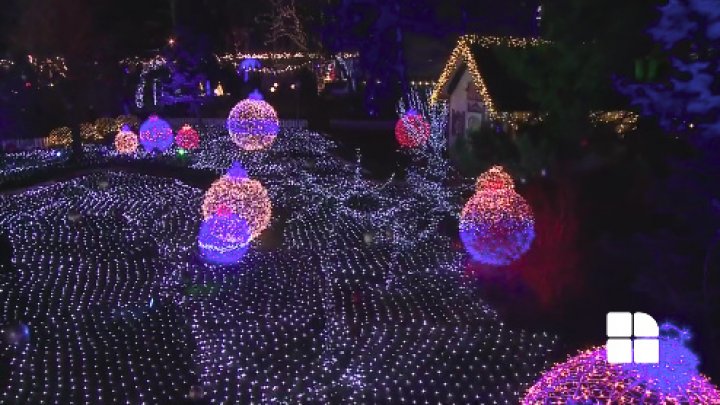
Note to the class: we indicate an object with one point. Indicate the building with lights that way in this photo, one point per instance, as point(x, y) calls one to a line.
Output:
point(481, 90)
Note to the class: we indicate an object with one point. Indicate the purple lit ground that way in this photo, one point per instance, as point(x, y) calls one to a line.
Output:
point(353, 295)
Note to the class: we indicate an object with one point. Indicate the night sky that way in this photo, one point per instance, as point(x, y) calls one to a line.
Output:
point(134, 27)
point(137, 26)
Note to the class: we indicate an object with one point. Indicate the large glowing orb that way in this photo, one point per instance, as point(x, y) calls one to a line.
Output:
point(156, 134)
point(241, 195)
point(126, 142)
point(187, 138)
point(253, 123)
point(496, 225)
point(411, 130)
point(224, 237)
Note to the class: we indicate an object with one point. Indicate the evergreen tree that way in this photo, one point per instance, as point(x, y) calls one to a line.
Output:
point(686, 101)
point(688, 97)
point(570, 76)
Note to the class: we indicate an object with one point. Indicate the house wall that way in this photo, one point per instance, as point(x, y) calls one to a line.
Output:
point(467, 112)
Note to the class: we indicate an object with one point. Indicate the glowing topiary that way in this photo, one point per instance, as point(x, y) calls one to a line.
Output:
point(411, 130)
point(106, 127)
point(187, 138)
point(156, 133)
point(60, 137)
point(253, 123)
point(496, 225)
point(241, 195)
point(126, 142)
point(89, 132)
point(130, 121)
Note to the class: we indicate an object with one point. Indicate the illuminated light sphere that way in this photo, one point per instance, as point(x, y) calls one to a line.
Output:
point(126, 142)
point(497, 225)
point(187, 138)
point(241, 195)
point(224, 237)
point(253, 123)
point(411, 130)
point(156, 133)
point(496, 178)
point(678, 364)
point(60, 137)
point(588, 378)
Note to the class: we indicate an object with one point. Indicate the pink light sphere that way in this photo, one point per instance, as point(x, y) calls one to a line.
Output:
point(187, 138)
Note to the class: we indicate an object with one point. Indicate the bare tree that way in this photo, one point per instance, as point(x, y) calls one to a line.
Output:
point(285, 26)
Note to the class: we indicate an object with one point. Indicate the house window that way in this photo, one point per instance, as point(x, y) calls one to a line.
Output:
point(632, 338)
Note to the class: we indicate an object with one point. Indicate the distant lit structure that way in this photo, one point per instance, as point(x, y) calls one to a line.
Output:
point(481, 92)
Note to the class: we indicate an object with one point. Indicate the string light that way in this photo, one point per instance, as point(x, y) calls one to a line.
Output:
point(187, 138)
point(17, 165)
point(148, 66)
point(496, 224)
point(622, 121)
point(275, 71)
point(156, 134)
point(238, 57)
point(311, 314)
point(253, 123)
point(421, 83)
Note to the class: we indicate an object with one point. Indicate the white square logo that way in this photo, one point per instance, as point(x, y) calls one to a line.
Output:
point(646, 351)
point(619, 351)
point(622, 347)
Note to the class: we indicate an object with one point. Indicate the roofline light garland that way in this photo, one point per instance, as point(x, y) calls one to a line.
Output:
point(462, 52)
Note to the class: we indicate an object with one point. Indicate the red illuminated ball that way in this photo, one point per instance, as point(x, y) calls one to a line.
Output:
point(411, 130)
point(187, 138)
